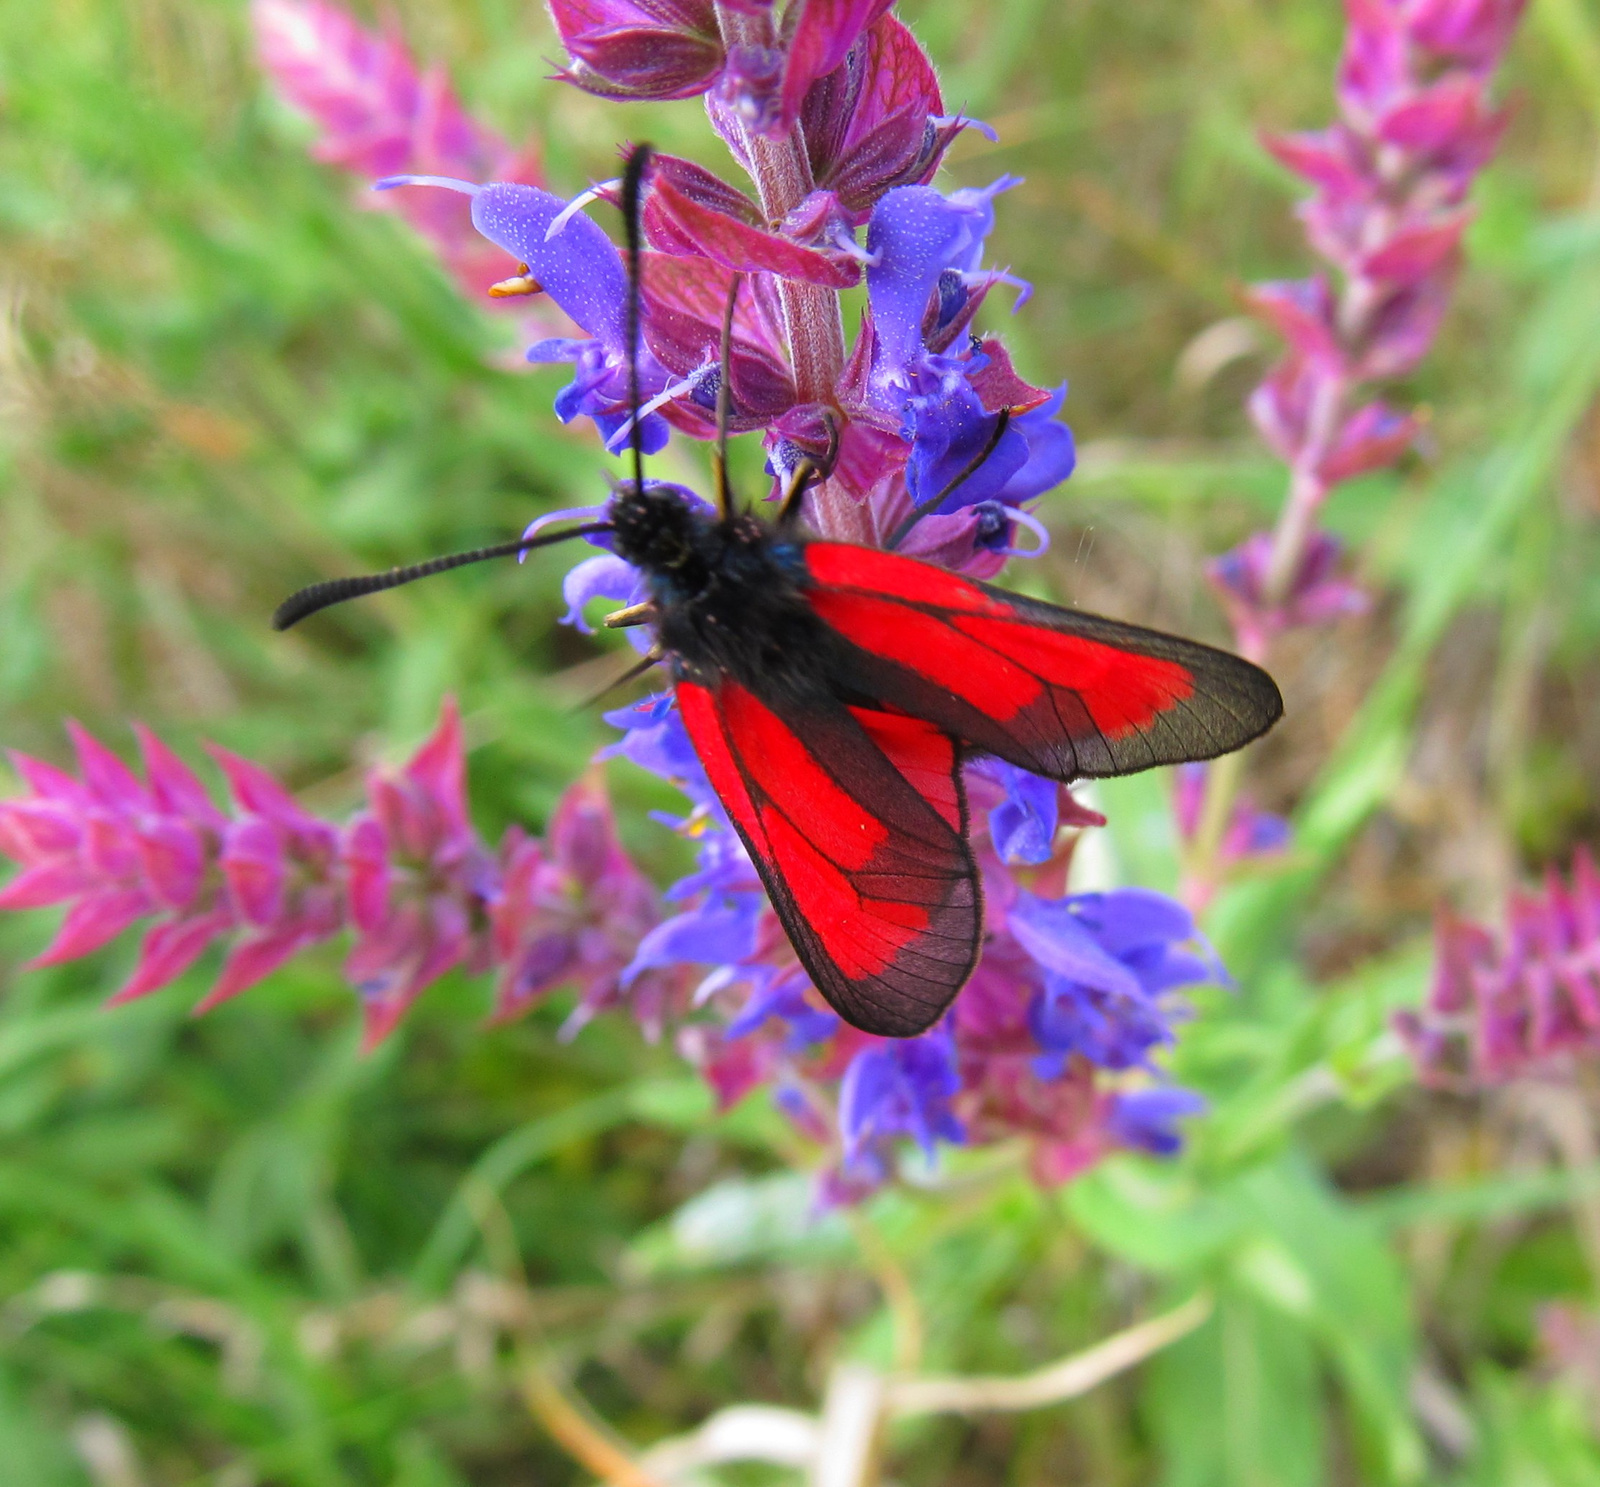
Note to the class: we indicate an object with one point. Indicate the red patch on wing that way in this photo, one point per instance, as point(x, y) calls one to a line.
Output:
point(925, 755)
point(861, 944)
point(784, 771)
point(1123, 691)
point(1053, 690)
point(967, 667)
point(700, 717)
point(846, 566)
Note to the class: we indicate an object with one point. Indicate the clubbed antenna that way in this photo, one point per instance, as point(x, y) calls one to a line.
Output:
point(336, 590)
point(632, 182)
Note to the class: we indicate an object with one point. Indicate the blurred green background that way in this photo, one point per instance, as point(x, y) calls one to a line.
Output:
point(233, 1252)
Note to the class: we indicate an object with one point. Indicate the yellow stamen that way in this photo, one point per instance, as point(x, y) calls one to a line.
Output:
point(523, 283)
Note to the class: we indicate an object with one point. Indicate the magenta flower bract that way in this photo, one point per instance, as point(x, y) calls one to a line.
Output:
point(1526, 1001)
point(636, 49)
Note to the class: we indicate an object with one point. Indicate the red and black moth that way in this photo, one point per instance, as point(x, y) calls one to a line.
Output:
point(834, 692)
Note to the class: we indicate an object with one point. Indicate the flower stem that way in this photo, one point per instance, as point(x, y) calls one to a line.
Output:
point(1067, 1379)
point(584, 1439)
point(1296, 523)
point(781, 170)
point(812, 320)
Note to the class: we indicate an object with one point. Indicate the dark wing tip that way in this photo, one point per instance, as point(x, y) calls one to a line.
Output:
point(1244, 692)
point(901, 1017)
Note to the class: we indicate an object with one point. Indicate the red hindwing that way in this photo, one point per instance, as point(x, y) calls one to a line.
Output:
point(855, 820)
point(1052, 690)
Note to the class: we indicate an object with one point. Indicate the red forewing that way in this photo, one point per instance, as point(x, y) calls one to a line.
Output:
point(1053, 690)
point(855, 819)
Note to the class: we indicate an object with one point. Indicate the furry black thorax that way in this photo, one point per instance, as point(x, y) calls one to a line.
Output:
point(729, 593)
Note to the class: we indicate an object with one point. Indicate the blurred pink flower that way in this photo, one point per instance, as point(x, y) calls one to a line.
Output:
point(572, 912)
point(408, 876)
point(1387, 211)
point(379, 116)
point(1251, 833)
point(1523, 1002)
point(418, 881)
point(1315, 595)
point(118, 850)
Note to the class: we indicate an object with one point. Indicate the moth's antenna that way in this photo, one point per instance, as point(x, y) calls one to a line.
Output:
point(968, 470)
point(336, 590)
point(632, 182)
point(725, 401)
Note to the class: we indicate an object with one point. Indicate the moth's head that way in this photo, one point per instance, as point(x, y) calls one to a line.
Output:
point(656, 525)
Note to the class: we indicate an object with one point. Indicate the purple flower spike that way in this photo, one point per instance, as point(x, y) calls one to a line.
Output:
point(835, 113)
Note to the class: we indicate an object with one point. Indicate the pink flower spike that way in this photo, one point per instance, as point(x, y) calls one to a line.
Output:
point(48, 782)
point(48, 883)
point(1472, 32)
point(1326, 157)
point(1371, 438)
point(33, 829)
point(256, 959)
point(379, 116)
point(257, 791)
point(172, 860)
point(583, 837)
point(1301, 310)
point(1417, 250)
point(1523, 1003)
point(1436, 117)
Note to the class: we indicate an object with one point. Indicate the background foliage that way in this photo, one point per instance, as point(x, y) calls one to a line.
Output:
point(232, 1251)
